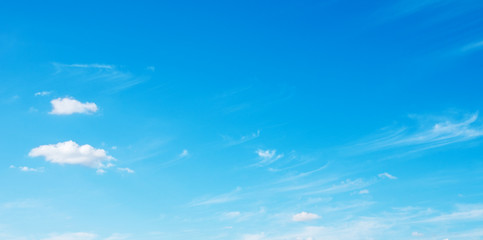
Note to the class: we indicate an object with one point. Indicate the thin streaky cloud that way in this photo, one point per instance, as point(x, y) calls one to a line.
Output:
point(438, 134)
point(465, 213)
point(219, 199)
point(472, 47)
point(118, 79)
point(77, 65)
point(243, 139)
point(387, 175)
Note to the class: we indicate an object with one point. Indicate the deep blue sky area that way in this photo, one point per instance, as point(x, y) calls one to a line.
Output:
point(248, 120)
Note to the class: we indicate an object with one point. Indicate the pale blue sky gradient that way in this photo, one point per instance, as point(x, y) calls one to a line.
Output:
point(250, 120)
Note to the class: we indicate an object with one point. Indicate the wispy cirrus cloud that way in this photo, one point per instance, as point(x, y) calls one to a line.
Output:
point(28, 169)
point(267, 157)
point(474, 46)
point(463, 213)
point(440, 131)
point(387, 175)
point(219, 199)
point(243, 139)
point(116, 78)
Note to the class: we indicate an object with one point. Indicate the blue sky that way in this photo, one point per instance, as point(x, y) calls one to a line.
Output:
point(253, 120)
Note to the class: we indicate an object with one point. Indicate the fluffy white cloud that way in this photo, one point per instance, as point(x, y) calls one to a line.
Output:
point(304, 216)
point(68, 105)
point(73, 236)
point(386, 175)
point(70, 152)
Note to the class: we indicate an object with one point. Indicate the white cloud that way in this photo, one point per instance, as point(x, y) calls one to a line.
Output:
point(386, 175)
point(151, 68)
point(70, 152)
point(464, 213)
point(72, 236)
point(416, 234)
point(231, 214)
point(42, 93)
point(267, 156)
point(184, 153)
point(27, 169)
point(364, 191)
point(222, 198)
point(117, 79)
point(93, 65)
point(68, 105)
point(304, 216)
point(118, 236)
point(128, 170)
point(258, 236)
point(432, 132)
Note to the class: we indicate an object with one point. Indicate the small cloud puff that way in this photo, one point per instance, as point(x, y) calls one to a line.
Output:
point(304, 216)
point(184, 153)
point(70, 152)
point(42, 93)
point(68, 105)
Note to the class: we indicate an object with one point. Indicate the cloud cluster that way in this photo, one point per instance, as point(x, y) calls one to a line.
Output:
point(70, 152)
point(267, 156)
point(68, 105)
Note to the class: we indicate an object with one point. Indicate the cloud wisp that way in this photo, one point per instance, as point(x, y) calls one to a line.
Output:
point(427, 136)
point(267, 157)
point(219, 199)
point(116, 79)
point(68, 106)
